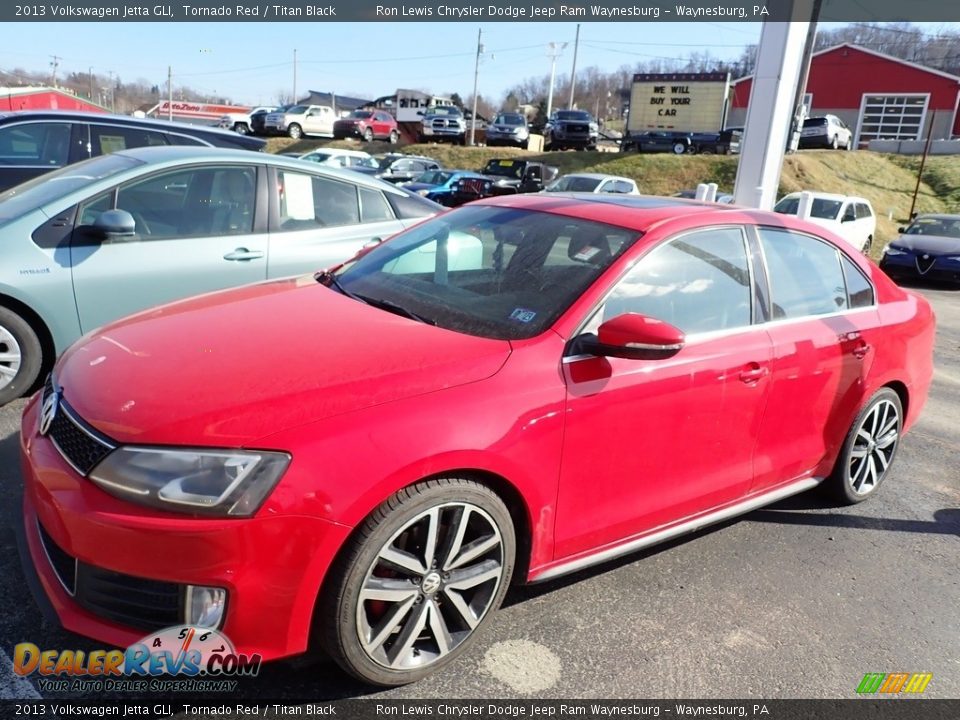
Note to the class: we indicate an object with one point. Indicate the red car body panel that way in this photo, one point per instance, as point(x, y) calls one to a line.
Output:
point(590, 453)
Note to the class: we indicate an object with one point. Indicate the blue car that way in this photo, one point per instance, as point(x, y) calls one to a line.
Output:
point(929, 249)
point(439, 185)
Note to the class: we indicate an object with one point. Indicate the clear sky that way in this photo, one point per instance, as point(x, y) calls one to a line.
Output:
point(252, 62)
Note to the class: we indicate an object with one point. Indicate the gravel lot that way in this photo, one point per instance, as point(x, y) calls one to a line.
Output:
point(797, 600)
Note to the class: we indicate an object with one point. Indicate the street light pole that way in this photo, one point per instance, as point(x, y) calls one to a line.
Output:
point(573, 70)
point(553, 52)
point(476, 79)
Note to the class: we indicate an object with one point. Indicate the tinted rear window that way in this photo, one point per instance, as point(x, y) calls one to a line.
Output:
point(814, 122)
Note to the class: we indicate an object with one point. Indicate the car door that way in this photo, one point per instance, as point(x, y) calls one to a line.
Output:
point(317, 221)
point(849, 227)
point(649, 442)
point(198, 229)
point(823, 328)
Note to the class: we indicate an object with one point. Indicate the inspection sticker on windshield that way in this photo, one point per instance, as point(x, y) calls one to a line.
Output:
point(586, 254)
point(523, 315)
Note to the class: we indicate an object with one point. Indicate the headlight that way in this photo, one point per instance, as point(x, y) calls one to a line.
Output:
point(424, 192)
point(209, 482)
point(891, 250)
point(522, 132)
point(594, 127)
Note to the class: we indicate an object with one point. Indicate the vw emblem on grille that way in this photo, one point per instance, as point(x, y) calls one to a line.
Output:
point(926, 257)
point(49, 411)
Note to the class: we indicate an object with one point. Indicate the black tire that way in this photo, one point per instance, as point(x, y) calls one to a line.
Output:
point(368, 135)
point(295, 132)
point(394, 137)
point(398, 526)
point(841, 484)
point(867, 246)
point(16, 336)
point(679, 148)
point(241, 128)
point(706, 151)
point(835, 143)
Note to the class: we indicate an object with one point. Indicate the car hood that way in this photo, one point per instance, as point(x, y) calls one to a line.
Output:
point(930, 244)
point(227, 368)
point(414, 187)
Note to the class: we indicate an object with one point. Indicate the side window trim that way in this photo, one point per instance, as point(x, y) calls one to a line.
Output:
point(591, 315)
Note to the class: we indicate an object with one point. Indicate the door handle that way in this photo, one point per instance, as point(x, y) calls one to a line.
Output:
point(241, 253)
point(860, 350)
point(753, 373)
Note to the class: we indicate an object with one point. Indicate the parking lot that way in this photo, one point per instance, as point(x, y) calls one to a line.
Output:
point(797, 600)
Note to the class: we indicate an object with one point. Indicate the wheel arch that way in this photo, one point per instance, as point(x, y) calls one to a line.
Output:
point(902, 392)
point(38, 325)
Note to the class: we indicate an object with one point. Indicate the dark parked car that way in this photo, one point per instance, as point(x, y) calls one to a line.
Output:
point(571, 129)
point(725, 142)
point(929, 248)
point(35, 142)
point(397, 168)
point(503, 176)
point(258, 116)
point(655, 141)
point(367, 125)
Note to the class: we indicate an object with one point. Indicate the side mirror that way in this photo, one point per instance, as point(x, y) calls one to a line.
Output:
point(634, 337)
point(901, 230)
point(114, 224)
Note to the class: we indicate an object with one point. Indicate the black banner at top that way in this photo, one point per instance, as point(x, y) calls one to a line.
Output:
point(484, 11)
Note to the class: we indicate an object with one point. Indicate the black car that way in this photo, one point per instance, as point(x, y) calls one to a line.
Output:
point(929, 249)
point(678, 143)
point(725, 142)
point(504, 176)
point(35, 142)
point(257, 118)
point(397, 168)
point(571, 129)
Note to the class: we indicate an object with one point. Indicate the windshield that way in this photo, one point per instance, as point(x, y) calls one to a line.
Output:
point(21, 199)
point(360, 114)
point(573, 115)
point(365, 162)
point(509, 119)
point(443, 110)
point(573, 183)
point(941, 227)
point(433, 177)
point(493, 272)
point(822, 208)
point(504, 168)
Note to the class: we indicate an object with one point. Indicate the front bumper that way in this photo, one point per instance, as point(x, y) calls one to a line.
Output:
point(272, 567)
point(912, 266)
point(344, 131)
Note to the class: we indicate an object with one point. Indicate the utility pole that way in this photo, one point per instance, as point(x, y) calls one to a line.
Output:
point(55, 63)
point(923, 161)
point(294, 98)
point(476, 79)
point(553, 52)
point(90, 73)
point(113, 93)
point(170, 93)
point(573, 71)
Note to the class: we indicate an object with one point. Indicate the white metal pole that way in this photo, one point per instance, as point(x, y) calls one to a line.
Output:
point(476, 80)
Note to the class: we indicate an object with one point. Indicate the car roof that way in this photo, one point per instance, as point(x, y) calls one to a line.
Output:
point(643, 213)
point(938, 216)
point(338, 151)
point(596, 176)
point(827, 196)
point(172, 154)
point(82, 116)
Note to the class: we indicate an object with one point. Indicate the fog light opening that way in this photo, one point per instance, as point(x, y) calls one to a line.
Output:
point(205, 606)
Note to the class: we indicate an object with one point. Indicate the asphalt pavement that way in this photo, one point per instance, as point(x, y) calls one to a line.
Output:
point(797, 600)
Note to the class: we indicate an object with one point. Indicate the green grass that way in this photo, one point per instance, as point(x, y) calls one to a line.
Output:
point(887, 181)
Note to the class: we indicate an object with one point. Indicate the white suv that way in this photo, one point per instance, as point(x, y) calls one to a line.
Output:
point(849, 217)
point(827, 131)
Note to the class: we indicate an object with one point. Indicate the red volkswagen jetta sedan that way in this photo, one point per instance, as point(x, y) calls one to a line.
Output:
point(510, 391)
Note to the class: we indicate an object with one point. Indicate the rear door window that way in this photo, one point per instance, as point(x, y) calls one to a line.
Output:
point(105, 139)
point(804, 273)
point(35, 144)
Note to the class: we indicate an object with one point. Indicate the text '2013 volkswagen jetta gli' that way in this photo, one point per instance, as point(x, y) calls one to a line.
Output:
point(507, 392)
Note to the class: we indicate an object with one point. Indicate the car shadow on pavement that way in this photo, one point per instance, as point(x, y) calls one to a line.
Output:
point(945, 521)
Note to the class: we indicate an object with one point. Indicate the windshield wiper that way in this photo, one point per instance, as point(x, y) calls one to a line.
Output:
point(325, 277)
point(393, 307)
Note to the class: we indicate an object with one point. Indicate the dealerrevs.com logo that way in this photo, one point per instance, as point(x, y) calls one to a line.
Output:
point(182, 658)
point(894, 683)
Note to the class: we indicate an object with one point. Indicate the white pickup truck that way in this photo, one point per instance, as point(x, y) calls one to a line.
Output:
point(301, 120)
point(240, 122)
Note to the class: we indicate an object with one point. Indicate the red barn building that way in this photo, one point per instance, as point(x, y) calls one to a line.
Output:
point(43, 98)
point(879, 96)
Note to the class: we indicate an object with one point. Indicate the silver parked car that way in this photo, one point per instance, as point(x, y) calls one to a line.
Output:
point(113, 235)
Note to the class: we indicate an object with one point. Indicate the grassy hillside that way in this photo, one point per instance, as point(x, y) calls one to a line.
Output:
point(887, 181)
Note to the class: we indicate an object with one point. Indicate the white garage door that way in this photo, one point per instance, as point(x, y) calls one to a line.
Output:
point(891, 117)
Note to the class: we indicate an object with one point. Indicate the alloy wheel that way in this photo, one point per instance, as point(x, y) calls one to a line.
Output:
point(11, 357)
point(430, 586)
point(873, 448)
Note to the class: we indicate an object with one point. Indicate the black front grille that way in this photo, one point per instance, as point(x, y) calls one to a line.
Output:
point(577, 128)
point(81, 445)
point(125, 599)
point(925, 263)
point(129, 600)
point(62, 563)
